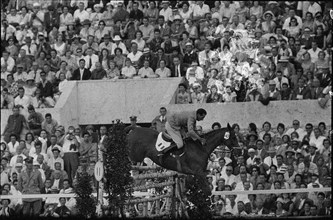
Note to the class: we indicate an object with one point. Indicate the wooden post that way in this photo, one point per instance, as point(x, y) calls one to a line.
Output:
point(145, 209)
point(100, 184)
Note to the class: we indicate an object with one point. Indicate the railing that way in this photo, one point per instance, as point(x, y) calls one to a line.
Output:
point(144, 194)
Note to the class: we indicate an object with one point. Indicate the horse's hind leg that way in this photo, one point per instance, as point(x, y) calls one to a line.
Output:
point(136, 153)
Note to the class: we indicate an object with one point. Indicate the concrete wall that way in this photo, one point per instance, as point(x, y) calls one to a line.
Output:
point(306, 111)
point(68, 105)
point(101, 102)
point(65, 111)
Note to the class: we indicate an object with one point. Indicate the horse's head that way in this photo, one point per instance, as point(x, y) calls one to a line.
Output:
point(229, 137)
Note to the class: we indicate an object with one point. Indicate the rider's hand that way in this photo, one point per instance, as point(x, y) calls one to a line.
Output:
point(203, 141)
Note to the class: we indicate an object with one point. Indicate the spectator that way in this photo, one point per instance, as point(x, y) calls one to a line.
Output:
point(46, 91)
point(183, 97)
point(49, 124)
point(87, 150)
point(35, 120)
point(98, 72)
point(5, 210)
point(71, 150)
point(128, 71)
point(81, 73)
point(15, 124)
point(158, 123)
point(62, 211)
point(146, 71)
point(163, 71)
point(30, 181)
point(133, 124)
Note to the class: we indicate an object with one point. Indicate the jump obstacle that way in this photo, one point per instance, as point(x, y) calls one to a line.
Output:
point(163, 203)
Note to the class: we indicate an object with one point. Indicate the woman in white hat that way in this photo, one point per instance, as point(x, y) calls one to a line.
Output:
point(197, 95)
point(97, 15)
point(86, 30)
point(177, 27)
point(108, 14)
point(268, 25)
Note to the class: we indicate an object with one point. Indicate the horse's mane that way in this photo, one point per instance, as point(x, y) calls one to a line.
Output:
point(213, 132)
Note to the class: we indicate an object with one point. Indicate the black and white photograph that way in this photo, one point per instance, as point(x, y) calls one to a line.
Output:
point(129, 109)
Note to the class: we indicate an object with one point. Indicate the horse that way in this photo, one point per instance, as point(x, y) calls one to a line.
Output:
point(141, 143)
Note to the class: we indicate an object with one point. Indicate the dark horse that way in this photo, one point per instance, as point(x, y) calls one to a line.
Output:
point(141, 142)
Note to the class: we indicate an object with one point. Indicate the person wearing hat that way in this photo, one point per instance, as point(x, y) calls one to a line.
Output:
point(133, 124)
point(20, 75)
point(273, 93)
point(271, 159)
point(147, 56)
point(197, 96)
point(177, 27)
point(166, 11)
point(313, 153)
point(252, 137)
point(189, 54)
point(30, 182)
point(106, 43)
point(268, 25)
point(96, 16)
point(5, 209)
point(118, 44)
point(55, 157)
point(252, 157)
point(86, 29)
point(29, 47)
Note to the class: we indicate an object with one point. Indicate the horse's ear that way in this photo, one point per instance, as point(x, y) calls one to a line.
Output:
point(229, 127)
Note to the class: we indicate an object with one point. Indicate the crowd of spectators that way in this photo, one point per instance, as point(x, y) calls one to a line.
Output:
point(226, 51)
point(286, 157)
point(294, 157)
point(45, 161)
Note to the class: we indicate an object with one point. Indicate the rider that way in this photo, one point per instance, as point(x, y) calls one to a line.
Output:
point(178, 122)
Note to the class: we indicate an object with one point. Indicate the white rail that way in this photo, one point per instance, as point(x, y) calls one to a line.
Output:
point(144, 194)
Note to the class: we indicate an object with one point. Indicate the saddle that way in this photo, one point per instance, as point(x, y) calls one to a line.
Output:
point(166, 136)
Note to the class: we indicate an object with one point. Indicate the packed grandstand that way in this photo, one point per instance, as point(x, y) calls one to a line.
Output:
point(224, 51)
